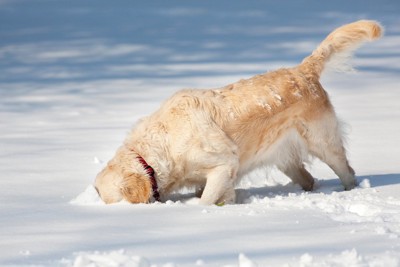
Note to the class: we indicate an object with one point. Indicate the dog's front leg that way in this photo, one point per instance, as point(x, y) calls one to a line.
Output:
point(219, 188)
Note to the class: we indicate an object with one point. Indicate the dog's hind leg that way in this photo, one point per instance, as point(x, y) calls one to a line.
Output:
point(336, 159)
point(289, 154)
point(326, 143)
point(299, 175)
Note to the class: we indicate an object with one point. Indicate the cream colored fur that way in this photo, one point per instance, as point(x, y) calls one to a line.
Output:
point(211, 138)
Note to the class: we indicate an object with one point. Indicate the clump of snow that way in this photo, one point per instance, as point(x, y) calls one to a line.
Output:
point(245, 261)
point(25, 252)
point(348, 258)
point(305, 260)
point(88, 197)
point(120, 258)
point(109, 259)
point(363, 209)
point(365, 183)
point(380, 230)
point(200, 262)
point(96, 160)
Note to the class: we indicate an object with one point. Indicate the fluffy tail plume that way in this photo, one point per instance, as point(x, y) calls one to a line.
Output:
point(340, 44)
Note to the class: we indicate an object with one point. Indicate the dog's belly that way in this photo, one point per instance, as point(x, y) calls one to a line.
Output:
point(290, 148)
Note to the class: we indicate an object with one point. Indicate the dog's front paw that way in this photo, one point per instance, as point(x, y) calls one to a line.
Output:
point(193, 201)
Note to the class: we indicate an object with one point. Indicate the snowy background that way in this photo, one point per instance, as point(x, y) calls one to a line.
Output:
point(76, 75)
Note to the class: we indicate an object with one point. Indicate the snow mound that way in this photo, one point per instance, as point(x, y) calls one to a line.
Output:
point(365, 183)
point(346, 258)
point(88, 197)
point(113, 258)
point(349, 258)
point(120, 258)
point(245, 262)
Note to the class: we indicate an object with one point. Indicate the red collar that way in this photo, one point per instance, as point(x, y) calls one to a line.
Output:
point(150, 171)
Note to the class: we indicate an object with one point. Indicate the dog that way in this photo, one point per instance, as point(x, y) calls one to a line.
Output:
point(209, 139)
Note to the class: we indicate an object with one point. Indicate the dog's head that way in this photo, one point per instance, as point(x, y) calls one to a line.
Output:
point(124, 178)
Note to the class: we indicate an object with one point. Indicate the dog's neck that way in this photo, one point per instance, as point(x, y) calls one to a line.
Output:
point(151, 173)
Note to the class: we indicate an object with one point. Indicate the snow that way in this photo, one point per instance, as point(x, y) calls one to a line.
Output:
point(88, 197)
point(75, 76)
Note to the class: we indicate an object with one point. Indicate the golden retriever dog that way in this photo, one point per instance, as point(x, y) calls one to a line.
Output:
point(209, 139)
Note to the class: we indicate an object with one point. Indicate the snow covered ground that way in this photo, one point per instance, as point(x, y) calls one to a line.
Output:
point(76, 75)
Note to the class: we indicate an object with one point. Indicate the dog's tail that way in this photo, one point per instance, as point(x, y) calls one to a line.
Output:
point(339, 45)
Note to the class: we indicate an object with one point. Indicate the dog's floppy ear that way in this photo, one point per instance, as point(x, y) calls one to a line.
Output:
point(114, 183)
point(108, 184)
point(136, 188)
